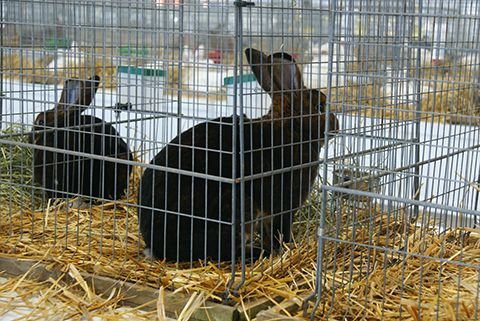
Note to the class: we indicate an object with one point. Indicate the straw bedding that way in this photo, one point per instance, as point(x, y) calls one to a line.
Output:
point(375, 290)
point(368, 282)
point(105, 240)
point(361, 279)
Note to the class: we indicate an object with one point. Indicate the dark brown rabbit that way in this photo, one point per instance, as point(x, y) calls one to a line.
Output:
point(63, 127)
point(185, 218)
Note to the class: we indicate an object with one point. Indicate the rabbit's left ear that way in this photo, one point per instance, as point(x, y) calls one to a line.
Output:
point(78, 94)
point(260, 64)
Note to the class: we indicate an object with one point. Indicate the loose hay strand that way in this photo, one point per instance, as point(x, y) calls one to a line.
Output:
point(161, 305)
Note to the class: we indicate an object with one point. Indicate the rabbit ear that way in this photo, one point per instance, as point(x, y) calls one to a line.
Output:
point(283, 55)
point(286, 75)
point(78, 94)
point(261, 67)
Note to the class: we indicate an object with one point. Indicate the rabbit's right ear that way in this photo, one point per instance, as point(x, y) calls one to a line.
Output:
point(282, 66)
point(78, 94)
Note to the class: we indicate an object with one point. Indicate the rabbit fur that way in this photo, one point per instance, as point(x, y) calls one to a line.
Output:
point(187, 218)
point(63, 127)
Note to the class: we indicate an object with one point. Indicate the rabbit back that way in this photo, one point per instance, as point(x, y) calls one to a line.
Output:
point(163, 194)
point(197, 232)
point(65, 175)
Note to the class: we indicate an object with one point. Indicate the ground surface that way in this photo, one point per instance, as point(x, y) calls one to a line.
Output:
point(50, 301)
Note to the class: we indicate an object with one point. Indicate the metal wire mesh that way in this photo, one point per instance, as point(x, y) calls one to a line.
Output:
point(405, 170)
point(227, 154)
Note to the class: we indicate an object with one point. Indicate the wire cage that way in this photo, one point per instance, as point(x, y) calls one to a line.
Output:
point(322, 154)
point(398, 234)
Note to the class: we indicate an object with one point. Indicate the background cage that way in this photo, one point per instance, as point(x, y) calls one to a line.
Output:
point(397, 192)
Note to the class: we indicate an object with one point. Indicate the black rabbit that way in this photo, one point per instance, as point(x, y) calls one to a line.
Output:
point(189, 218)
point(64, 175)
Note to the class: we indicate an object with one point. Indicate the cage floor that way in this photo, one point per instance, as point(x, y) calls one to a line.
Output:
point(380, 268)
point(104, 240)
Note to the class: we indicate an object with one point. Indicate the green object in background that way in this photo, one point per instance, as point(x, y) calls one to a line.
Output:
point(245, 78)
point(144, 71)
point(132, 51)
point(55, 43)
